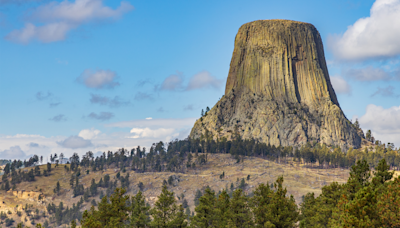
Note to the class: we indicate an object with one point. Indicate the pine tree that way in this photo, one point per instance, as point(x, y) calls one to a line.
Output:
point(359, 176)
point(113, 214)
point(316, 212)
point(206, 211)
point(260, 202)
point(241, 215)
point(223, 210)
point(166, 213)
point(139, 211)
point(282, 210)
point(73, 224)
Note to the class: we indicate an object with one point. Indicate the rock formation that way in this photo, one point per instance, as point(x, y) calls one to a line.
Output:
point(278, 90)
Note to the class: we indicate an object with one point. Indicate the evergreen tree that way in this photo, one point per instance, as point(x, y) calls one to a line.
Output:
point(223, 210)
point(113, 214)
point(240, 210)
point(316, 212)
point(206, 211)
point(166, 213)
point(139, 211)
point(274, 208)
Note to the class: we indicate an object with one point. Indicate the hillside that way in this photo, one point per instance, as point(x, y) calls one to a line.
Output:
point(299, 180)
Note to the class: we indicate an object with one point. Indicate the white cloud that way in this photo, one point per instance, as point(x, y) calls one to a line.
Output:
point(58, 18)
point(203, 80)
point(149, 118)
point(100, 79)
point(13, 152)
point(89, 133)
point(74, 142)
point(376, 36)
point(384, 123)
point(156, 133)
point(172, 82)
point(340, 85)
point(148, 131)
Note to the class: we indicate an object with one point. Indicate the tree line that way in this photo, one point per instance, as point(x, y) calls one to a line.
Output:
point(367, 199)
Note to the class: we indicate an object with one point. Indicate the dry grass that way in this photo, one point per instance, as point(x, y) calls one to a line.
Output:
point(298, 179)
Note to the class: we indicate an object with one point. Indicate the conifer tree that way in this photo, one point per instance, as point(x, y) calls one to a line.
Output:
point(139, 211)
point(205, 211)
point(241, 215)
point(166, 213)
point(260, 202)
point(223, 210)
point(113, 214)
point(277, 210)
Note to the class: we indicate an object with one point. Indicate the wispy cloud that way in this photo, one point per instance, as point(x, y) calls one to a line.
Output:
point(202, 80)
point(75, 142)
point(188, 107)
point(55, 104)
point(143, 82)
point(371, 37)
point(143, 96)
point(388, 91)
point(103, 116)
point(155, 123)
point(53, 21)
point(340, 85)
point(172, 82)
point(43, 96)
point(367, 74)
point(107, 101)
point(18, 2)
point(59, 118)
point(99, 79)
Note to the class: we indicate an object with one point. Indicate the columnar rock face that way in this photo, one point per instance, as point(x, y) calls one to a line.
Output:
point(278, 90)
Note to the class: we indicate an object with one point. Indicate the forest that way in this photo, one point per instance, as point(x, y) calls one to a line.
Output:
point(368, 199)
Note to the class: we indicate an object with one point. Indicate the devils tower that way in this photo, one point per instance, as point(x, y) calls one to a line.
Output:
point(278, 90)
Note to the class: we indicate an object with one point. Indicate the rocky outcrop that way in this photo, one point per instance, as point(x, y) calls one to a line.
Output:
point(278, 90)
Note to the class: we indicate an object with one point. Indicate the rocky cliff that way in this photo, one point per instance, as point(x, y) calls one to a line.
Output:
point(278, 89)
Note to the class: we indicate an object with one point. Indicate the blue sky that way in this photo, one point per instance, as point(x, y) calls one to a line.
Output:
point(79, 75)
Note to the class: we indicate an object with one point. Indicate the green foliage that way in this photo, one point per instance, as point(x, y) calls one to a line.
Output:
point(361, 202)
point(166, 213)
point(240, 215)
point(206, 211)
point(272, 208)
point(109, 214)
point(139, 211)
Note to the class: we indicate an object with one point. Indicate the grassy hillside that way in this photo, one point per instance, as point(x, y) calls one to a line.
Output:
point(298, 179)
